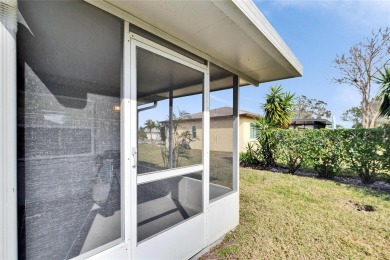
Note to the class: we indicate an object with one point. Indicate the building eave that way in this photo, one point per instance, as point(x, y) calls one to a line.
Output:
point(231, 34)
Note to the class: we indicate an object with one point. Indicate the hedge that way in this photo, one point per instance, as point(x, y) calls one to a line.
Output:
point(364, 151)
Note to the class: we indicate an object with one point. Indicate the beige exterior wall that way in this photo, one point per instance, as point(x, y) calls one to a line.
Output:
point(245, 131)
point(187, 126)
point(221, 133)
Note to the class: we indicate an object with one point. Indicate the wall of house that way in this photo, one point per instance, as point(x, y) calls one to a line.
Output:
point(245, 130)
point(221, 133)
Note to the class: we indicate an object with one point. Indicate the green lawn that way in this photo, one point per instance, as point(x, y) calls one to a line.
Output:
point(291, 217)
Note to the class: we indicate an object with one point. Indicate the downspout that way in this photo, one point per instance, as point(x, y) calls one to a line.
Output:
point(8, 202)
point(147, 108)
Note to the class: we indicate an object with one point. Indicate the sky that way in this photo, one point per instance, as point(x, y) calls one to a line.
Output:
point(316, 31)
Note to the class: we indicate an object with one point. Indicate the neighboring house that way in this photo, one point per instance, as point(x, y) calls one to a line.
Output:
point(221, 131)
point(74, 76)
point(155, 137)
point(310, 123)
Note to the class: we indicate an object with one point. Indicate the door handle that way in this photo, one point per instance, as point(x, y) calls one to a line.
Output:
point(134, 153)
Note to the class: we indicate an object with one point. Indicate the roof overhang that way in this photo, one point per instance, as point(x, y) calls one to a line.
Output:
point(231, 34)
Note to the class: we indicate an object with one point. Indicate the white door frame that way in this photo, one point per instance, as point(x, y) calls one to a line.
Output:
point(139, 41)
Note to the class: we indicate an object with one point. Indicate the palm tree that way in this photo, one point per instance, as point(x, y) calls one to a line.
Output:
point(278, 107)
point(150, 125)
point(384, 80)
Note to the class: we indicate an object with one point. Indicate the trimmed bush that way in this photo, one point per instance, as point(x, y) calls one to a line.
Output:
point(291, 148)
point(364, 151)
point(325, 152)
point(367, 151)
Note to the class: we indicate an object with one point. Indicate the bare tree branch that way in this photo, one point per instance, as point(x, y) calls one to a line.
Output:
point(358, 68)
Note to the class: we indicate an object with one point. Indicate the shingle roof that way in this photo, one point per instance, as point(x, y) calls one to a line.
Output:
point(224, 111)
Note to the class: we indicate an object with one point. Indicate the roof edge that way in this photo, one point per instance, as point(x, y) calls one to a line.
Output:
point(254, 15)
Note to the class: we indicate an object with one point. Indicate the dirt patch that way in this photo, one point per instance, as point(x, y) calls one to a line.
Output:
point(359, 207)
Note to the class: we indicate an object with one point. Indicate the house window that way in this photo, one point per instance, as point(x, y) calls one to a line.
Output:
point(253, 131)
point(194, 132)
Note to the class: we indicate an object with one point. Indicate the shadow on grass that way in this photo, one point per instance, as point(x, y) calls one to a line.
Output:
point(351, 182)
point(383, 194)
point(145, 167)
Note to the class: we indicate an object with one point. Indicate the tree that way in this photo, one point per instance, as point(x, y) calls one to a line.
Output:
point(359, 67)
point(180, 143)
point(384, 81)
point(141, 133)
point(266, 143)
point(150, 125)
point(278, 107)
point(354, 115)
point(305, 107)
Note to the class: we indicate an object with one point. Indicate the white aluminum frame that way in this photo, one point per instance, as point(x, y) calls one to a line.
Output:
point(126, 122)
point(8, 170)
point(127, 247)
point(168, 173)
point(192, 224)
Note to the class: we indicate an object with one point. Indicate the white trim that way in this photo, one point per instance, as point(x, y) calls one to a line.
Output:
point(99, 249)
point(167, 53)
point(146, 240)
point(219, 222)
point(161, 247)
point(143, 248)
point(125, 140)
point(116, 252)
point(231, 192)
point(133, 144)
point(175, 56)
point(155, 176)
point(250, 10)
point(112, 9)
point(206, 148)
point(8, 119)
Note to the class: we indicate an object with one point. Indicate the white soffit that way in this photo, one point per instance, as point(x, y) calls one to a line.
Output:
point(234, 33)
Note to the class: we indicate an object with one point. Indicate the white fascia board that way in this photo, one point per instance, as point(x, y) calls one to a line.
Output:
point(276, 44)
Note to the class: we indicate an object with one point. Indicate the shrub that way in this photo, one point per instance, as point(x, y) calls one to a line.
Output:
point(365, 151)
point(266, 142)
point(291, 148)
point(325, 152)
point(252, 155)
point(368, 152)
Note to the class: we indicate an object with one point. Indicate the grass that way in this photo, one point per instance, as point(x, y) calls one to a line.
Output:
point(221, 163)
point(291, 217)
point(383, 175)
